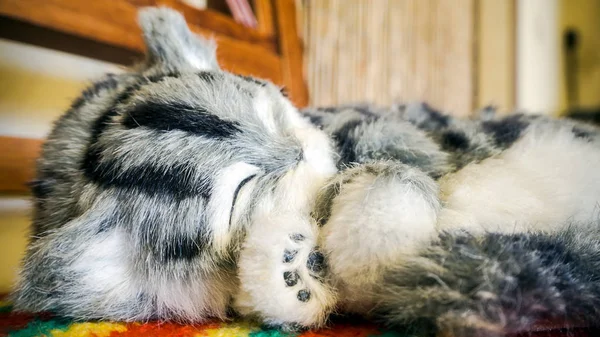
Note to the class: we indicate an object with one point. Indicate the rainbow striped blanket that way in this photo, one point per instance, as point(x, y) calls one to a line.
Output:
point(47, 325)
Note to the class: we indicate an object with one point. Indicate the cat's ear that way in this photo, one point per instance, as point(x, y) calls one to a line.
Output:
point(170, 44)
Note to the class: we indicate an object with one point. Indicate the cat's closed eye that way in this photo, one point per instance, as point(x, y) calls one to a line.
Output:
point(237, 192)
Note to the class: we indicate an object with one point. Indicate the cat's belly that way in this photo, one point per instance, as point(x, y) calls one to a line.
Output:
point(546, 181)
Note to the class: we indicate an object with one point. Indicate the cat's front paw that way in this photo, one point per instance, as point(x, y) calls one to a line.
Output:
point(303, 266)
point(283, 277)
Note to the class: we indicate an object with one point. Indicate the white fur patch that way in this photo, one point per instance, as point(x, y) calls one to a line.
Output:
point(317, 150)
point(196, 299)
point(220, 205)
point(264, 110)
point(104, 266)
point(297, 190)
point(191, 56)
point(544, 181)
point(293, 117)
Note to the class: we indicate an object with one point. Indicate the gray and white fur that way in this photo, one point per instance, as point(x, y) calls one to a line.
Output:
point(476, 227)
point(179, 191)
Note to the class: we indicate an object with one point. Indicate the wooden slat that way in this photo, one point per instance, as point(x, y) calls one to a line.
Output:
point(25, 32)
point(114, 23)
point(291, 50)
point(264, 16)
point(111, 22)
point(17, 163)
point(496, 52)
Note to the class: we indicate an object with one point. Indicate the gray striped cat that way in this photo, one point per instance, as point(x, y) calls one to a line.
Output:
point(178, 191)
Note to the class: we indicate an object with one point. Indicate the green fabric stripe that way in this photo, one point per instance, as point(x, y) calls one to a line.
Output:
point(6, 308)
point(41, 328)
point(271, 333)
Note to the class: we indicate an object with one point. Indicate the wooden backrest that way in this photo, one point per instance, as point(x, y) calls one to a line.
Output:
point(107, 30)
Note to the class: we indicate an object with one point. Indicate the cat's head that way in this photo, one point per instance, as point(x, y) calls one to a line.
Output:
point(241, 126)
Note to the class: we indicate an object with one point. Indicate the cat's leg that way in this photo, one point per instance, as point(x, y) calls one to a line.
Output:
point(373, 216)
point(281, 270)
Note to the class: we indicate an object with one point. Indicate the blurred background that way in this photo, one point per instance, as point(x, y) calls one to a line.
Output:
point(459, 55)
point(534, 56)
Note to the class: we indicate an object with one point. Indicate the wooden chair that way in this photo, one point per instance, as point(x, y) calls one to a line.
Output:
point(107, 30)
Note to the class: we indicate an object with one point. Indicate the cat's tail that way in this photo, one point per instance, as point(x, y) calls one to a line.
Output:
point(497, 283)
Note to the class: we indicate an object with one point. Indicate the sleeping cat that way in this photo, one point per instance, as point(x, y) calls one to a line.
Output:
point(178, 191)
